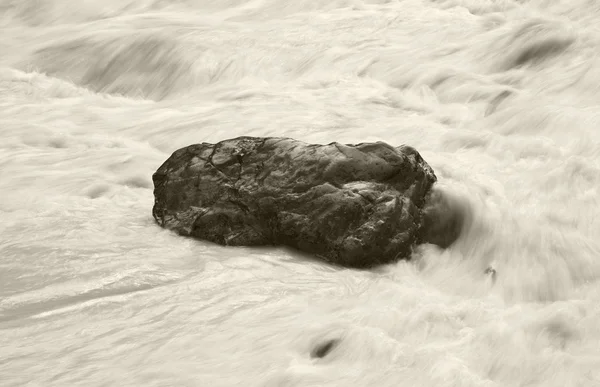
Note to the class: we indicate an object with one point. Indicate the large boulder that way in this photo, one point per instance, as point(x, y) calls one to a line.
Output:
point(352, 205)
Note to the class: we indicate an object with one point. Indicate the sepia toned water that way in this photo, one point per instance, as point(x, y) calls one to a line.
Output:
point(501, 97)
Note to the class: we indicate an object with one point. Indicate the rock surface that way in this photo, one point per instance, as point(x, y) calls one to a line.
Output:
point(352, 205)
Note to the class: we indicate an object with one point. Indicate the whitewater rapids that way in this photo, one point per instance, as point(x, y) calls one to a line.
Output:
point(501, 97)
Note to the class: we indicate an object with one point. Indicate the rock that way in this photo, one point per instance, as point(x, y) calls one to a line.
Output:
point(352, 205)
point(490, 271)
point(444, 218)
point(323, 349)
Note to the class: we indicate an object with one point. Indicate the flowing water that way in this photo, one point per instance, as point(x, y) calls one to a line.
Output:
point(501, 97)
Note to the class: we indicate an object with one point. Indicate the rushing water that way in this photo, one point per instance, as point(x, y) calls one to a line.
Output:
point(501, 97)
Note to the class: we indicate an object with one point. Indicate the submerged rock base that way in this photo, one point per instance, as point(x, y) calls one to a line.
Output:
point(352, 205)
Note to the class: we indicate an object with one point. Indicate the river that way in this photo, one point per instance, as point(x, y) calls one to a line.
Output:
point(500, 97)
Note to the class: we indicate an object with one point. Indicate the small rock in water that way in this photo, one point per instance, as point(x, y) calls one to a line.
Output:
point(351, 205)
point(323, 349)
point(491, 272)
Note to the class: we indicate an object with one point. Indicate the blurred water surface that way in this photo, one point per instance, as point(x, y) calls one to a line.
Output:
point(501, 97)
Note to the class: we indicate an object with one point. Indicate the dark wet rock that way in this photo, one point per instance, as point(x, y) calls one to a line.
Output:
point(323, 349)
point(443, 219)
point(351, 205)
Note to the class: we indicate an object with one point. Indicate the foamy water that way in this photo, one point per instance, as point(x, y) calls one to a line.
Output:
point(502, 98)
